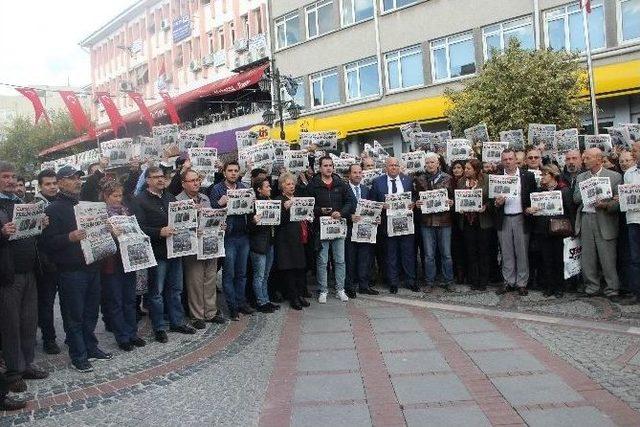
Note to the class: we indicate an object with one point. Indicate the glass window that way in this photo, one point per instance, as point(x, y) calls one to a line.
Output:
point(564, 30)
point(395, 4)
point(404, 68)
point(287, 30)
point(453, 57)
point(362, 79)
point(629, 20)
point(319, 18)
point(298, 98)
point(498, 36)
point(324, 88)
point(356, 10)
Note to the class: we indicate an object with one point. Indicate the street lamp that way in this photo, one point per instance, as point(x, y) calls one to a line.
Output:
point(273, 80)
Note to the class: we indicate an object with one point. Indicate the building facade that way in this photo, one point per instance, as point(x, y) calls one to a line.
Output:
point(366, 66)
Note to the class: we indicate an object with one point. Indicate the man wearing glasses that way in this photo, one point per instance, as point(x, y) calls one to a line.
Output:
point(151, 210)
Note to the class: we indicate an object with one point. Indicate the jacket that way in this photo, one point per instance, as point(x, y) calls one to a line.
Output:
point(338, 198)
point(236, 224)
point(289, 250)
point(607, 218)
point(426, 182)
point(18, 256)
point(485, 218)
point(379, 186)
point(152, 214)
point(260, 236)
point(527, 186)
point(91, 188)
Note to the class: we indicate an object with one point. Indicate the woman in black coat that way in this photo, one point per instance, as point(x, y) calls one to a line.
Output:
point(289, 247)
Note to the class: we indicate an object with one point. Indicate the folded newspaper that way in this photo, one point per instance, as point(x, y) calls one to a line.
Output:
point(269, 211)
point(548, 202)
point(331, 229)
point(183, 217)
point(240, 201)
point(92, 218)
point(302, 209)
point(135, 246)
point(28, 219)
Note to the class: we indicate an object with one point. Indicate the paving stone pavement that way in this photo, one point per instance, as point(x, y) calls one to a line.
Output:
point(366, 362)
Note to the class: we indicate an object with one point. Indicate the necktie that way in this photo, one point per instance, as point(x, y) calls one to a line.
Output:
point(394, 187)
point(358, 192)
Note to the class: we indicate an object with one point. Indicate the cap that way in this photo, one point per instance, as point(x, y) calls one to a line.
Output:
point(67, 171)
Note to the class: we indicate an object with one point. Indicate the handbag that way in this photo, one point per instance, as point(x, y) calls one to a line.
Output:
point(560, 227)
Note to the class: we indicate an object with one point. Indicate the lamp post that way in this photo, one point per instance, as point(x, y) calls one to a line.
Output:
point(275, 81)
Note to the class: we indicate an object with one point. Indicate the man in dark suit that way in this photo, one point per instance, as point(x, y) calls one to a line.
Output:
point(400, 251)
point(358, 255)
point(513, 225)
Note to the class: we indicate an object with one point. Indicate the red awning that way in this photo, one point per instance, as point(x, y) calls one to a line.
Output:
point(221, 87)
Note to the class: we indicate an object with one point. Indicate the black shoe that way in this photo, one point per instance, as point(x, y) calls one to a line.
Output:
point(306, 293)
point(126, 346)
point(351, 293)
point(505, 289)
point(295, 305)
point(234, 316)
point(83, 367)
point(199, 324)
point(245, 309)
point(303, 302)
point(277, 297)
point(547, 293)
point(32, 373)
point(393, 290)
point(50, 347)
point(218, 319)
point(368, 291)
point(99, 355)
point(161, 337)
point(183, 329)
point(8, 403)
point(275, 306)
point(18, 386)
point(414, 288)
point(523, 292)
point(265, 308)
point(479, 287)
point(138, 342)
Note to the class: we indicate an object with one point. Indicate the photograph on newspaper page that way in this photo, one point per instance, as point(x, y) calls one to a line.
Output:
point(364, 231)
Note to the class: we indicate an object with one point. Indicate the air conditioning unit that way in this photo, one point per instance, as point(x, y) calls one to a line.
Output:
point(126, 86)
point(165, 25)
point(195, 66)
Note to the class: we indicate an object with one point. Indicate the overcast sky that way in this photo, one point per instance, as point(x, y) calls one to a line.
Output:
point(39, 40)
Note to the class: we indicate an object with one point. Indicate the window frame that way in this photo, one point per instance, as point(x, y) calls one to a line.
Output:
point(344, 24)
point(501, 32)
point(398, 56)
point(619, 30)
point(357, 66)
point(395, 6)
point(314, 8)
point(462, 37)
point(301, 90)
point(565, 15)
point(320, 76)
point(283, 21)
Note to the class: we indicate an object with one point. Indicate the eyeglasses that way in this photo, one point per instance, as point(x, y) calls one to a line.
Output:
point(533, 157)
point(156, 176)
point(193, 180)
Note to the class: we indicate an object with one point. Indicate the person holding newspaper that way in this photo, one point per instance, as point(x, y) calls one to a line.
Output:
point(79, 283)
point(18, 292)
point(151, 210)
point(332, 200)
point(632, 176)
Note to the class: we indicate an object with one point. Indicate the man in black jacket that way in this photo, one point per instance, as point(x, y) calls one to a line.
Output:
point(90, 191)
point(79, 283)
point(332, 199)
point(18, 294)
point(151, 209)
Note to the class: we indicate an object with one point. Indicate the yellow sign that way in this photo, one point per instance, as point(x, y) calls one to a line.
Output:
point(264, 132)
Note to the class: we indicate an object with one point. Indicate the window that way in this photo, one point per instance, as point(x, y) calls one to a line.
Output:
point(361, 79)
point(324, 88)
point(356, 10)
point(287, 30)
point(628, 20)
point(221, 38)
point(498, 36)
point(298, 98)
point(404, 68)
point(232, 32)
point(564, 30)
point(319, 18)
point(395, 4)
point(453, 57)
point(244, 23)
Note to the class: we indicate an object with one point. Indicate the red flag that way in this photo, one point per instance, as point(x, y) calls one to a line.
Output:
point(171, 108)
point(112, 111)
point(586, 4)
point(38, 108)
point(78, 116)
point(137, 98)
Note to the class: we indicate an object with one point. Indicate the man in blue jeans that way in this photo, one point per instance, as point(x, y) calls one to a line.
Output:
point(151, 209)
point(236, 244)
point(79, 284)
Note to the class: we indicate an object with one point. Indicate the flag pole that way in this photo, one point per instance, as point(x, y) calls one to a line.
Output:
point(592, 91)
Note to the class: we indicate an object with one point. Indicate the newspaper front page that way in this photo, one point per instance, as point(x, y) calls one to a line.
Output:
point(302, 209)
point(492, 151)
point(246, 138)
point(398, 201)
point(369, 175)
point(408, 131)
point(325, 140)
point(434, 201)
point(594, 190)
point(629, 195)
point(203, 160)
point(331, 229)
point(566, 140)
point(468, 200)
point(542, 136)
point(620, 137)
point(135, 246)
point(413, 161)
point(295, 160)
point(515, 138)
point(400, 223)
point(211, 233)
point(504, 185)
point(459, 149)
point(118, 151)
point(167, 137)
point(187, 140)
point(549, 203)
point(601, 142)
point(477, 134)
point(28, 219)
point(183, 217)
point(92, 218)
point(369, 210)
point(240, 201)
point(87, 158)
point(269, 211)
point(572, 257)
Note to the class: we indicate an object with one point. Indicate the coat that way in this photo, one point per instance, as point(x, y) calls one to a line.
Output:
point(379, 186)
point(424, 182)
point(339, 198)
point(607, 218)
point(289, 250)
point(527, 186)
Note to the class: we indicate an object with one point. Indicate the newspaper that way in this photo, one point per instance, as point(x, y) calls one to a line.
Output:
point(413, 161)
point(560, 159)
point(87, 158)
point(504, 185)
point(492, 151)
point(326, 140)
point(398, 201)
point(620, 137)
point(629, 195)
point(369, 175)
point(369, 210)
point(400, 223)
point(240, 201)
point(278, 149)
point(28, 220)
point(187, 140)
point(515, 138)
point(211, 245)
point(542, 136)
point(331, 229)
point(92, 218)
point(468, 200)
point(594, 190)
point(183, 217)
point(408, 130)
point(572, 255)
point(135, 246)
point(341, 166)
point(477, 134)
point(150, 149)
point(364, 232)
point(437, 141)
point(302, 209)
point(422, 140)
point(634, 131)
point(549, 202)
point(118, 151)
point(203, 160)
point(260, 155)
point(601, 142)
point(459, 149)
point(211, 219)
point(344, 155)
point(246, 138)
point(435, 201)
point(566, 140)
point(167, 137)
point(269, 210)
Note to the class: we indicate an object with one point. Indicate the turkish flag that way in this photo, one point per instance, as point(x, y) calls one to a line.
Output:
point(38, 108)
point(112, 111)
point(171, 108)
point(78, 116)
point(137, 98)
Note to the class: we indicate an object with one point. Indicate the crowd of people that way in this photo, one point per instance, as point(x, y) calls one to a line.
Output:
point(504, 244)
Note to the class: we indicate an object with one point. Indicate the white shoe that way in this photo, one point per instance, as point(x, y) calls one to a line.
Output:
point(342, 296)
point(322, 299)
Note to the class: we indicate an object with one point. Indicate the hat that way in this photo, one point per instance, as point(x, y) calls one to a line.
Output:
point(67, 171)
